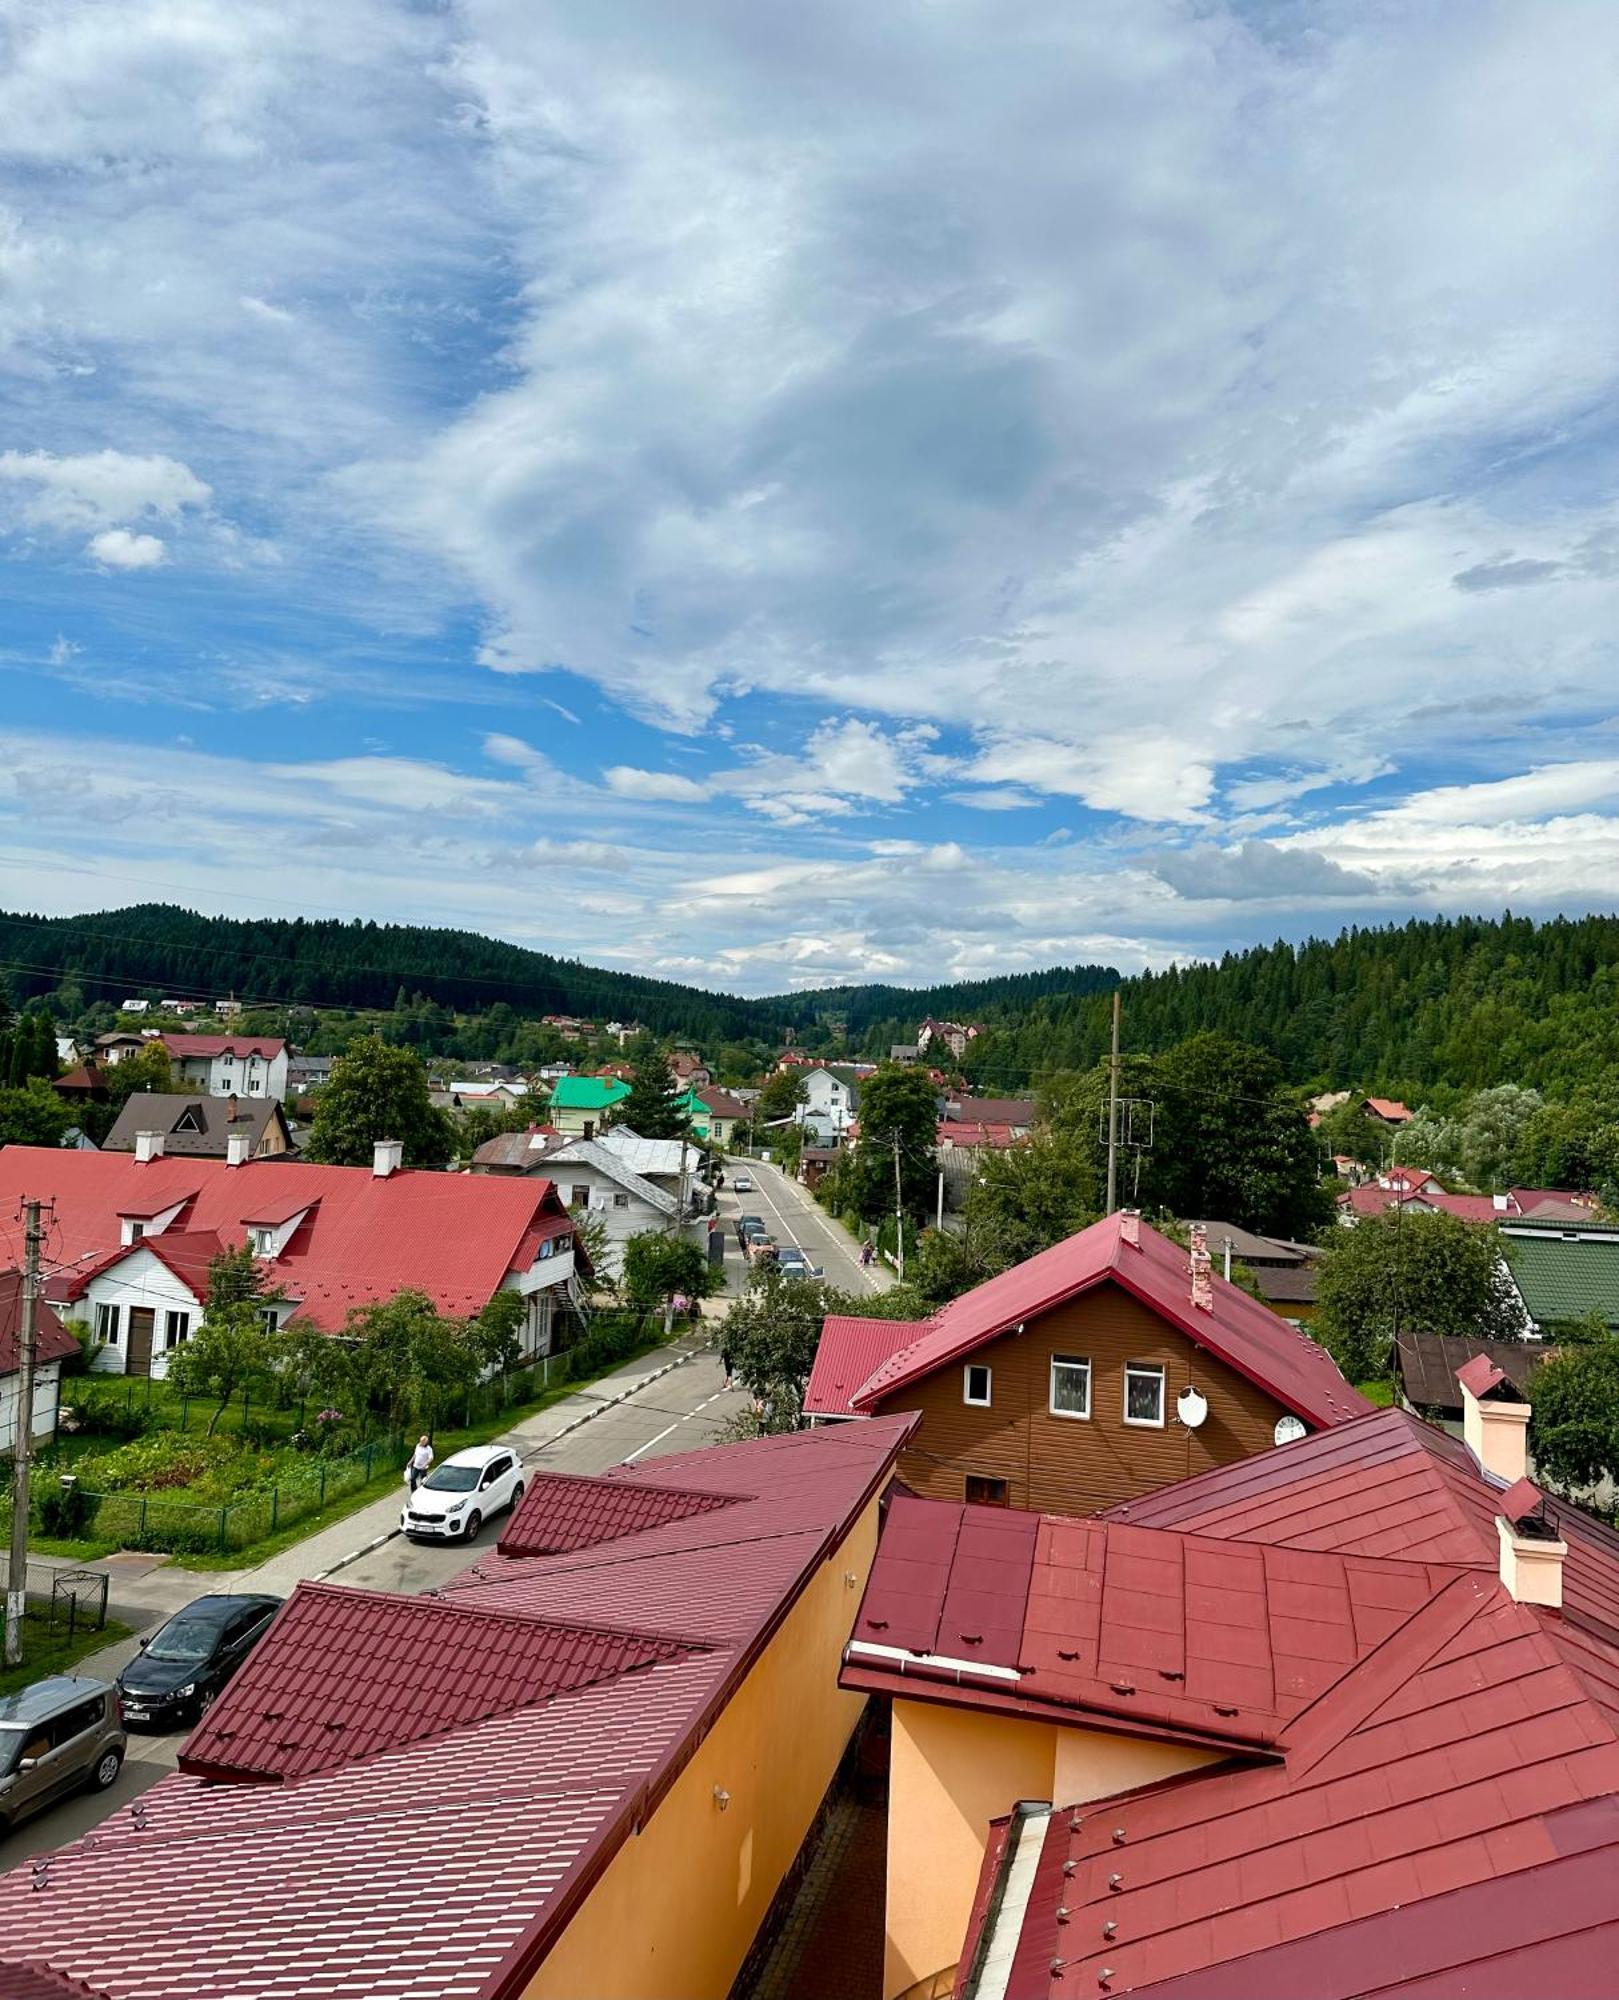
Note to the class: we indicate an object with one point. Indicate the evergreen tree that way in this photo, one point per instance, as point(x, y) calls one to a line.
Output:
point(654, 1107)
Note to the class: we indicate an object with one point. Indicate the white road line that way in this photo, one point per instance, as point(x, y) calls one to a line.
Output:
point(834, 1242)
point(686, 1419)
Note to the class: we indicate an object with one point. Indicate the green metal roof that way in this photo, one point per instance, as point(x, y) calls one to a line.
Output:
point(587, 1093)
point(1561, 1277)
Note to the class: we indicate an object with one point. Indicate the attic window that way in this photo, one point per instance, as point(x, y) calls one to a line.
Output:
point(264, 1243)
point(976, 1381)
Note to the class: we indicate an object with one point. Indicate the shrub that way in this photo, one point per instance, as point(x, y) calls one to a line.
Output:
point(66, 1512)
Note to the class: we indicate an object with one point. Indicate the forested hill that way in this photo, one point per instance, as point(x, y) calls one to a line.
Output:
point(1459, 1003)
point(326, 963)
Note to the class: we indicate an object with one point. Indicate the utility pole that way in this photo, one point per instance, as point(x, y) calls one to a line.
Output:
point(899, 1209)
point(1113, 1113)
point(17, 1575)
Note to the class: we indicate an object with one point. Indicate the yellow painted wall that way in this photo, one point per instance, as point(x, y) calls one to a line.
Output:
point(953, 1771)
point(679, 1905)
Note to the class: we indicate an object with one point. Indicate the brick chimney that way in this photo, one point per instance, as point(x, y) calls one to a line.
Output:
point(1130, 1227)
point(1495, 1419)
point(387, 1157)
point(1532, 1551)
point(238, 1146)
point(148, 1145)
point(1202, 1278)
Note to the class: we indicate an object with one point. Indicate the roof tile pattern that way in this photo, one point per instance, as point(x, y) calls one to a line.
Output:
point(563, 1511)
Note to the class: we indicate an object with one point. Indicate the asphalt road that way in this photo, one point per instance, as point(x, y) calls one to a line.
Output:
point(794, 1216)
point(684, 1411)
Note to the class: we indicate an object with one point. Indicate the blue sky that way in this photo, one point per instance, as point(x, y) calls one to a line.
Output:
point(774, 495)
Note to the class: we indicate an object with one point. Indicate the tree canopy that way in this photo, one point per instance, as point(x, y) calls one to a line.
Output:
point(1413, 1272)
point(377, 1092)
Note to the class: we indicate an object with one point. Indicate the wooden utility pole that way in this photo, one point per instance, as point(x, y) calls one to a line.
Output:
point(899, 1209)
point(17, 1574)
point(1113, 1113)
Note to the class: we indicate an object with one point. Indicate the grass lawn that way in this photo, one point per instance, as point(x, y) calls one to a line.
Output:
point(47, 1652)
point(1380, 1393)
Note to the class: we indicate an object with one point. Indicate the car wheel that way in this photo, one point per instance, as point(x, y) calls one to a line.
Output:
point(474, 1523)
point(517, 1496)
point(106, 1769)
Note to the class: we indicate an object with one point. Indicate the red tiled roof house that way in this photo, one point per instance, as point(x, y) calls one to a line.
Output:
point(1065, 1383)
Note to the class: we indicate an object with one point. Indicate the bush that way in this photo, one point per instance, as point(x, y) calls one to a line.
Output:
point(66, 1512)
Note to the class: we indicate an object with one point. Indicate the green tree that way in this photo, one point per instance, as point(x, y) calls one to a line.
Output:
point(232, 1348)
point(657, 1266)
point(33, 1115)
point(1420, 1273)
point(770, 1336)
point(410, 1363)
point(377, 1092)
point(483, 1122)
point(654, 1107)
point(1574, 1425)
point(1030, 1196)
point(898, 1116)
point(782, 1094)
point(496, 1334)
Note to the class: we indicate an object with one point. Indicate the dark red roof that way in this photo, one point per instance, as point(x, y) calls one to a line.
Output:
point(1244, 1334)
point(562, 1511)
point(850, 1351)
point(219, 1045)
point(1429, 1364)
point(52, 1341)
point(355, 1672)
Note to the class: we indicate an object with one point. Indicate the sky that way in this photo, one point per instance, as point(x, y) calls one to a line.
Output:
point(769, 495)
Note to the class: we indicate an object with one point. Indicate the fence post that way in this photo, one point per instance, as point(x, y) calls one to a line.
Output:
point(223, 1544)
point(141, 1531)
point(275, 1508)
point(370, 1448)
point(323, 1482)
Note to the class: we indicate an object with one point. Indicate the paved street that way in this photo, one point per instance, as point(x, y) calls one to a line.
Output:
point(792, 1215)
point(682, 1410)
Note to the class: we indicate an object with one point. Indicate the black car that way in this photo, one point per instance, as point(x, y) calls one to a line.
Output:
point(185, 1663)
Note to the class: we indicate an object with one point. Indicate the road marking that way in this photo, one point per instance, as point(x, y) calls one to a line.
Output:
point(686, 1419)
point(862, 1278)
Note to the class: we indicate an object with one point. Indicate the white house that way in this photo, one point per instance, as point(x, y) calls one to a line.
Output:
point(831, 1102)
point(52, 1345)
point(230, 1065)
point(670, 1164)
point(596, 1181)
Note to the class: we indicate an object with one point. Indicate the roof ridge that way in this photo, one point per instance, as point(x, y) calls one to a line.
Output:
point(600, 1557)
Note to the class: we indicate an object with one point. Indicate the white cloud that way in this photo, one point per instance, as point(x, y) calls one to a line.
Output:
point(631, 783)
point(63, 651)
point(117, 548)
point(89, 488)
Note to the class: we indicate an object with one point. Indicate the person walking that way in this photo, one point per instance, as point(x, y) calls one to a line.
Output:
point(725, 1362)
point(421, 1462)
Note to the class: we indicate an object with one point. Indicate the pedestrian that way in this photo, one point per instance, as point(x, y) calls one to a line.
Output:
point(725, 1362)
point(865, 1256)
point(421, 1462)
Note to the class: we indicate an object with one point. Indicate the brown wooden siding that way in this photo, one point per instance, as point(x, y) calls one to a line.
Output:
point(1062, 1465)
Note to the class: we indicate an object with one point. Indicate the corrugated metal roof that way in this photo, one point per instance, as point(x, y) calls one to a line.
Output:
point(1429, 1363)
point(52, 1341)
point(564, 1510)
point(851, 1349)
point(1564, 1276)
point(1248, 1337)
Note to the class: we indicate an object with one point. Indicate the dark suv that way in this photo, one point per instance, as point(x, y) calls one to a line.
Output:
point(182, 1667)
point(56, 1736)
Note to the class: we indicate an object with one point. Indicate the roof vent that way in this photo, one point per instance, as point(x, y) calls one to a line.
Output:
point(1495, 1419)
point(1130, 1227)
point(1202, 1278)
point(387, 1157)
point(237, 1147)
point(148, 1145)
point(1532, 1551)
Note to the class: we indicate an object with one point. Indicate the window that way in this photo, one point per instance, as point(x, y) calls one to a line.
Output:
point(985, 1492)
point(1144, 1393)
point(579, 1196)
point(270, 1318)
point(264, 1243)
point(176, 1328)
point(136, 1231)
point(621, 1201)
point(1070, 1386)
point(975, 1385)
point(107, 1326)
point(564, 1243)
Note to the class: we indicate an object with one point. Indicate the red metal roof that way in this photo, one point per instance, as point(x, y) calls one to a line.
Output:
point(851, 1350)
point(1248, 1337)
point(218, 1045)
point(376, 1754)
point(563, 1511)
point(453, 1236)
point(1480, 1375)
point(52, 1341)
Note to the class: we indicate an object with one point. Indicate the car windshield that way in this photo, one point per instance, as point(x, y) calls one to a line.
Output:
point(452, 1479)
point(184, 1639)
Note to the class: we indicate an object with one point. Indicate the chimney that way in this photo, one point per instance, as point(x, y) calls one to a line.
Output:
point(237, 1147)
point(1202, 1281)
point(1532, 1552)
point(1495, 1419)
point(1130, 1227)
point(148, 1145)
point(387, 1157)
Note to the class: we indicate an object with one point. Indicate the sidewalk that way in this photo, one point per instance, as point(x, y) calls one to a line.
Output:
point(146, 1588)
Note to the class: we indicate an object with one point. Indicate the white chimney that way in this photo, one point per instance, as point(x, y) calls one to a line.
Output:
point(387, 1157)
point(148, 1145)
point(238, 1145)
point(1532, 1552)
point(1130, 1227)
point(1202, 1281)
point(1495, 1419)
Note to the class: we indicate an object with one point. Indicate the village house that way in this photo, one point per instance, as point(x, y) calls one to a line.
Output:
point(675, 1165)
point(581, 1105)
point(831, 1102)
point(1285, 1272)
point(715, 1114)
point(934, 1037)
point(1337, 1721)
point(1430, 1366)
point(134, 1235)
point(594, 1180)
point(306, 1073)
point(585, 1766)
point(690, 1069)
point(1562, 1270)
point(118, 1046)
point(230, 1065)
point(1102, 1368)
point(53, 1344)
point(198, 1127)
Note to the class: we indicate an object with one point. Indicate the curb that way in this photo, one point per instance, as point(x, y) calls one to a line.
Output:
point(588, 1416)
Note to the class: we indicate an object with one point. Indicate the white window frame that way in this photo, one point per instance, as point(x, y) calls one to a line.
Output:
point(263, 1242)
point(1071, 1361)
point(1157, 1370)
point(175, 1336)
point(270, 1318)
point(109, 1324)
point(985, 1401)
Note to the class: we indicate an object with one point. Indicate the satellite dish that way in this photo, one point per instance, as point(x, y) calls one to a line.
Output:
point(1191, 1406)
point(1289, 1430)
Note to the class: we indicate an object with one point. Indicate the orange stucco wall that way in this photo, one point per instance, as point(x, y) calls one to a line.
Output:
point(953, 1771)
point(676, 1910)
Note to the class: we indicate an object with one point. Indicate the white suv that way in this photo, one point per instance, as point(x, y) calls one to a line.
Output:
point(457, 1497)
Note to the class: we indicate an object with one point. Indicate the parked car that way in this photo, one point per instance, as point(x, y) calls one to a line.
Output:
point(747, 1223)
point(179, 1671)
point(792, 1263)
point(761, 1248)
point(56, 1737)
point(457, 1497)
point(742, 1185)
